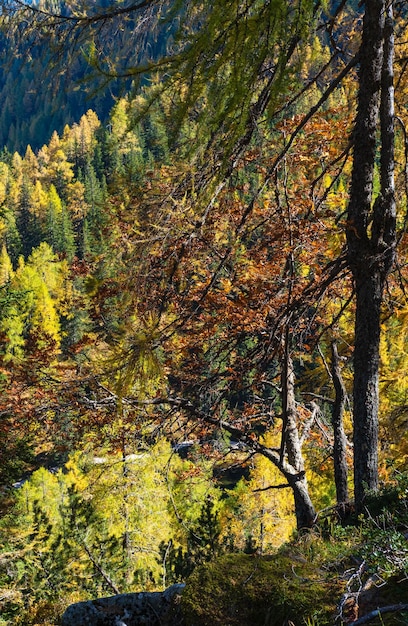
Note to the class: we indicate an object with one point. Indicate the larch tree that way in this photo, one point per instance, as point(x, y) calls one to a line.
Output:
point(371, 231)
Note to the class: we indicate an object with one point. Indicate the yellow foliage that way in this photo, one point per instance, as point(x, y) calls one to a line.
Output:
point(6, 267)
point(264, 507)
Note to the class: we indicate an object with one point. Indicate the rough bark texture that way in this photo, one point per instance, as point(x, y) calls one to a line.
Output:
point(369, 289)
point(371, 233)
point(340, 442)
point(365, 145)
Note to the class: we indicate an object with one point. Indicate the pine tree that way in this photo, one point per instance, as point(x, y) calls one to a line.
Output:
point(29, 227)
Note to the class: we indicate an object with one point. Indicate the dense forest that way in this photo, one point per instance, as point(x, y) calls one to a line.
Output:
point(32, 108)
point(203, 320)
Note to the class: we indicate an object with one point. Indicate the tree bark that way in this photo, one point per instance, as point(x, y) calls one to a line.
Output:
point(371, 236)
point(304, 509)
point(291, 448)
point(369, 289)
point(340, 442)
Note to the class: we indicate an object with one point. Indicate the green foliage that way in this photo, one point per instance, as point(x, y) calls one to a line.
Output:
point(34, 105)
point(32, 320)
point(59, 231)
point(204, 543)
point(382, 530)
point(220, 82)
point(312, 579)
point(18, 451)
point(93, 527)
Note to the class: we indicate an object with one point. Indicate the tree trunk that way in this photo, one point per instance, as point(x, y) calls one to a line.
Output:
point(304, 509)
point(291, 448)
point(340, 442)
point(369, 289)
point(371, 250)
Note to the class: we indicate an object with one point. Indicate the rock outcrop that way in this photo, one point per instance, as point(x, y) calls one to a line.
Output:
point(128, 609)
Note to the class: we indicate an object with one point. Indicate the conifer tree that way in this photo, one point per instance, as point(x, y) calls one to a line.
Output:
point(371, 231)
point(28, 224)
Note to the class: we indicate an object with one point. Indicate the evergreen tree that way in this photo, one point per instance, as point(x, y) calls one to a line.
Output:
point(11, 235)
point(28, 224)
point(59, 232)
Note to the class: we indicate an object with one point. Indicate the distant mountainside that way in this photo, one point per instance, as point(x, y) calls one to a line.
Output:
point(36, 100)
point(33, 103)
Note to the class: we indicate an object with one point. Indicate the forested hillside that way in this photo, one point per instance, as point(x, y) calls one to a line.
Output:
point(34, 102)
point(42, 92)
point(203, 336)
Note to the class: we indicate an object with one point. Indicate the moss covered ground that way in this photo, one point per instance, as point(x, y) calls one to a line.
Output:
point(339, 574)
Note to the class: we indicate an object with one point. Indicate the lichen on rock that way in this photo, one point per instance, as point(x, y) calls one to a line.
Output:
point(128, 609)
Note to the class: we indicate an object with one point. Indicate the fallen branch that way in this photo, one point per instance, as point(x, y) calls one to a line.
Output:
point(392, 608)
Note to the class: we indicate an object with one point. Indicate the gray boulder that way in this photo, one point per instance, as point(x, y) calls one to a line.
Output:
point(128, 609)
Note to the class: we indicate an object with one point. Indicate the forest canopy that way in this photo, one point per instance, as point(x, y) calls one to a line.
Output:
point(221, 266)
point(235, 108)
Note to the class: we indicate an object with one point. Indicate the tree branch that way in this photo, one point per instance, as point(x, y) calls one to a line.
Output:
point(392, 608)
